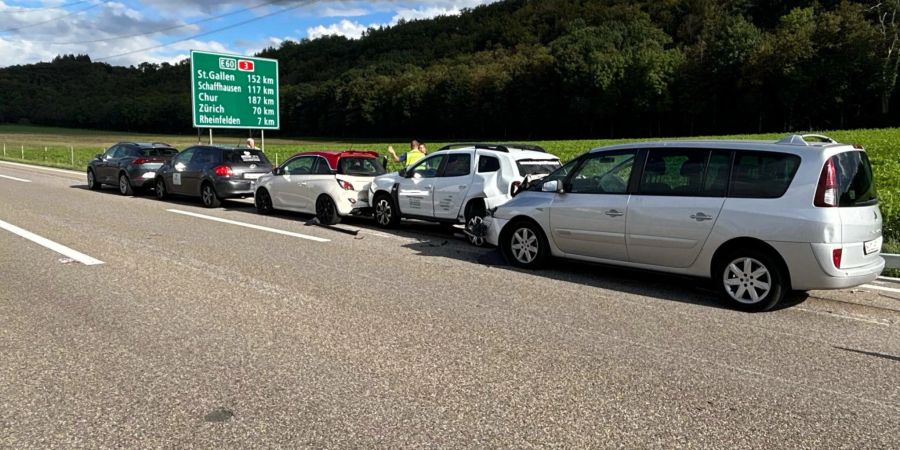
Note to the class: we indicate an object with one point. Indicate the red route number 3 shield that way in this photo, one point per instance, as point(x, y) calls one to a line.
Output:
point(245, 65)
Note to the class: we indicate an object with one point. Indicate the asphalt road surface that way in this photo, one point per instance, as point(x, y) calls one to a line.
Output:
point(268, 332)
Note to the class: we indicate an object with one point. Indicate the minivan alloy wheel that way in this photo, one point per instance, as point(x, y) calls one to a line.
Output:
point(525, 245)
point(747, 280)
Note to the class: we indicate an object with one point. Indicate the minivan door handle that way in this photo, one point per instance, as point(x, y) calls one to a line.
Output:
point(614, 213)
point(700, 217)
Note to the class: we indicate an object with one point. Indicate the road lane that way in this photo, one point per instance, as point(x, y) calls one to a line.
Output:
point(368, 341)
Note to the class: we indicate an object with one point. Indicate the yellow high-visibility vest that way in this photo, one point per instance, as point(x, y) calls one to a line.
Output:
point(413, 156)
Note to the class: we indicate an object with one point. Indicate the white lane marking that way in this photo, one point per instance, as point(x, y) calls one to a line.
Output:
point(49, 169)
point(841, 316)
point(15, 179)
point(895, 280)
point(250, 225)
point(56, 247)
point(880, 288)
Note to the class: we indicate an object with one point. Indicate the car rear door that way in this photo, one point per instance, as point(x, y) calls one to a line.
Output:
point(452, 185)
point(679, 198)
point(205, 158)
point(415, 193)
point(106, 172)
point(588, 218)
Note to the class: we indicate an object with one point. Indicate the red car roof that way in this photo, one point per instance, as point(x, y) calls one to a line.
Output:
point(333, 156)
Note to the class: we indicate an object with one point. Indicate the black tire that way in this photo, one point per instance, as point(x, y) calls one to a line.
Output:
point(92, 182)
point(475, 229)
point(161, 192)
point(125, 185)
point(524, 244)
point(208, 196)
point(326, 211)
point(751, 280)
point(386, 212)
point(263, 202)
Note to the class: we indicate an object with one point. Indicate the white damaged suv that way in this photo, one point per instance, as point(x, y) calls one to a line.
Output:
point(759, 218)
point(458, 184)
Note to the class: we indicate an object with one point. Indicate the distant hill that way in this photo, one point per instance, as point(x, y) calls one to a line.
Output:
point(530, 69)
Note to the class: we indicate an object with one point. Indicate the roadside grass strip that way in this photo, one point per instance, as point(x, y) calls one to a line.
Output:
point(47, 243)
point(15, 179)
point(249, 225)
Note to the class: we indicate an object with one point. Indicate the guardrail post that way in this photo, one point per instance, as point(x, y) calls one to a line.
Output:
point(45, 153)
point(276, 159)
point(23, 152)
point(72, 151)
point(4, 150)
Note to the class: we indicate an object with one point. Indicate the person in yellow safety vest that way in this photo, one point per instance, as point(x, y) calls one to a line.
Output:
point(416, 152)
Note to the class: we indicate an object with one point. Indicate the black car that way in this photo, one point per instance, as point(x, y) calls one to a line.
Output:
point(129, 165)
point(212, 173)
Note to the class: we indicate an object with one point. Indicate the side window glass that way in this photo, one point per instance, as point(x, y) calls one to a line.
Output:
point(110, 152)
point(715, 184)
point(674, 172)
point(458, 165)
point(300, 166)
point(488, 164)
point(762, 175)
point(204, 157)
point(428, 168)
point(603, 174)
point(322, 167)
point(184, 157)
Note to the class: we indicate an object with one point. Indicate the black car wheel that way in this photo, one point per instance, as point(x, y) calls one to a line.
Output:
point(326, 211)
point(92, 181)
point(524, 245)
point(751, 280)
point(161, 192)
point(125, 185)
point(386, 214)
point(209, 196)
point(263, 202)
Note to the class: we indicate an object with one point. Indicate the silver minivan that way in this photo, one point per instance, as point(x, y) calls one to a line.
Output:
point(759, 218)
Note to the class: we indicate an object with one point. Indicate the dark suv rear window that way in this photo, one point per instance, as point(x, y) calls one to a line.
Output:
point(157, 151)
point(241, 156)
point(367, 167)
point(855, 181)
point(537, 166)
point(762, 175)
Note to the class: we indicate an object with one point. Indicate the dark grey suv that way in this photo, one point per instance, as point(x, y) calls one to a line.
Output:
point(212, 173)
point(129, 165)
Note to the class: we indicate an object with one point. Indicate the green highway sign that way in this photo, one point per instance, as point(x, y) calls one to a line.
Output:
point(230, 91)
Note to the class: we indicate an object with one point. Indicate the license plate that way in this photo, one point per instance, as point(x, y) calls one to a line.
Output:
point(873, 246)
point(252, 176)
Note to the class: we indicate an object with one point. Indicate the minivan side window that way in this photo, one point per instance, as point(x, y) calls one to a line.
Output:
point(762, 174)
point(602, 174)
point(674, 172)
point(718, 170)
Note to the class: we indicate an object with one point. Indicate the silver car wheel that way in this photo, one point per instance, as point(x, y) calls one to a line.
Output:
point(383, 212)
point(208, 195)
point(524, 245)
point(476, 231)
point(123, 185)
point(91, 181)
point(747, 280)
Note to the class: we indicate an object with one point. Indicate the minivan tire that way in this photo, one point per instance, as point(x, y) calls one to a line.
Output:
point(524, 245)
point(208, 196)
point(742, 274)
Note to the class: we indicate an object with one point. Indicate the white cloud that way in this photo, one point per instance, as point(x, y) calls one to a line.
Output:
point(346, 28)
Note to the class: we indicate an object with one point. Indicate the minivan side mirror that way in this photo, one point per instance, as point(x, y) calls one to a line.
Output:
point(552, 186)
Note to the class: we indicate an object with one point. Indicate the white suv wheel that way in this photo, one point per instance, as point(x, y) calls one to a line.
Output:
point(747, 280)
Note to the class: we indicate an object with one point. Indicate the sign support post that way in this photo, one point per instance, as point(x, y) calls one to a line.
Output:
point(262, 140)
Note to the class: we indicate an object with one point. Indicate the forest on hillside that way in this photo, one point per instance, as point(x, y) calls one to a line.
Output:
point(532, 69)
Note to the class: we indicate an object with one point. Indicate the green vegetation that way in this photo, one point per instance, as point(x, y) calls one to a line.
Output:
point(883, 146)
point(532, 69)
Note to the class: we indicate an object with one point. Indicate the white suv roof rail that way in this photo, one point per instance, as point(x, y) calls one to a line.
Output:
point(803, 139)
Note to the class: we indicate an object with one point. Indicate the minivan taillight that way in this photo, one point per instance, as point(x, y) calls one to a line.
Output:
point(827, 191)
point(836, 256)
point(223, 171)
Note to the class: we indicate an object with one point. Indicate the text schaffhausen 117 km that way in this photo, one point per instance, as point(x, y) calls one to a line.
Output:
point(230, 91)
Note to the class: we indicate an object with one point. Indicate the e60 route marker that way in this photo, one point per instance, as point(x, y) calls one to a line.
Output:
point(231, 91)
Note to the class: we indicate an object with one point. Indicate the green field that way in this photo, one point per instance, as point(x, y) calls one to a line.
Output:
point(71, 148)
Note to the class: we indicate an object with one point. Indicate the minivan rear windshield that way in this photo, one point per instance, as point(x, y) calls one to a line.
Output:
point(537, 166)
point(367, 167)
point(244, 156)
point(856, 184)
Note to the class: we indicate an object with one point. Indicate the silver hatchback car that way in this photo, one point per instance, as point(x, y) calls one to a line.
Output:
point(759, 218)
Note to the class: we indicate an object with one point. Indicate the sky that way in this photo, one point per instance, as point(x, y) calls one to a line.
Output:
point(129, 32)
